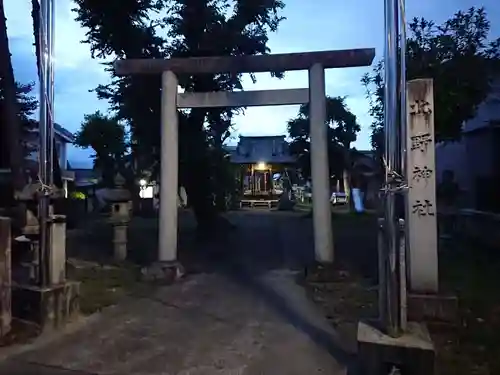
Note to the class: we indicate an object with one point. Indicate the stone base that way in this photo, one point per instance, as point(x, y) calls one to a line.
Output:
point(432, 307)
point(412, 353)
point(326, 272)
point(50, 307)
point(163, 272)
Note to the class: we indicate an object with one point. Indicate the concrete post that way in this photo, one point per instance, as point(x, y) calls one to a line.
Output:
point(5, 276)
point(322, 219)
point(57, 254)
point(169, 173)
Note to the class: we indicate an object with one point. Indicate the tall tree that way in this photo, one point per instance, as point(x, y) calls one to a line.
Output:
point(459, 56)
point(107, 137)
point(131, 29)
point(27, 105)
point(342, 132)
point(35, 16)
point(10, 121)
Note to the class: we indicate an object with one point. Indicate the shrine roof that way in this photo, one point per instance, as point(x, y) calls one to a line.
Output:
point(262, 149)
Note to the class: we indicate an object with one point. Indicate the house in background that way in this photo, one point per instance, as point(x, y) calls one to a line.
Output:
point(63, 137)
point(85, 178)
point(366, 175)
point(475, 159)
point(230, 149)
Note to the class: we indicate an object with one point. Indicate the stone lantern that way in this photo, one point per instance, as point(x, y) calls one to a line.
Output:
point(120, 200)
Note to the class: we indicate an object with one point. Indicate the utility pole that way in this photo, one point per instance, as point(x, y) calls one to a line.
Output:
point(392, 293)
point(46, 133)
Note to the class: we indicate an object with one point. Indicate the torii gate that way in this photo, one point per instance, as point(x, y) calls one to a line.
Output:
point(314, 62)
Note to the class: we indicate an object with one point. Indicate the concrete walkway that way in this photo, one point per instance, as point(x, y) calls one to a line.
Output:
point(248, 316)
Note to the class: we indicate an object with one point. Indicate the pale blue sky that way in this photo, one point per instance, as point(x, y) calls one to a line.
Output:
point(310, 25)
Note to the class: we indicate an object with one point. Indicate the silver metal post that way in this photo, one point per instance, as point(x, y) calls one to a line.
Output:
point(403, 138)
point(50, 90)
point(402, 85)
point(42, 130)
point(393, 165)
point(46, 40)
point(43, 208)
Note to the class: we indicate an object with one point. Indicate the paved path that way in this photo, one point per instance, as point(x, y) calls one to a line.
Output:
point(245, 316)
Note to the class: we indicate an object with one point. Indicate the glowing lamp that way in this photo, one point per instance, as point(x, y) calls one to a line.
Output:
point(261, 166)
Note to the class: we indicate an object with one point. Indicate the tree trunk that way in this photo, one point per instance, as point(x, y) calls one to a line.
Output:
point(197, 176)
point(348, 178)
point(347, 184)
point(220, 191)
point(222, 182)
point(11, 134)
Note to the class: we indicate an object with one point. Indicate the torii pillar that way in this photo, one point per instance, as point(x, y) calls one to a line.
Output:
point(314, 62)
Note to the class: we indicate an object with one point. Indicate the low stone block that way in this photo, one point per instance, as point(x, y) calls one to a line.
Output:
point(163, 272)
point(432, 307)
point(57, 258)
point(412, 353)
point(49, 307)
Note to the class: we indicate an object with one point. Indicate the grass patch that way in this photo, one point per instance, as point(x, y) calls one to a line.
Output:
point(344, 298)
point(103, 285)
point(472, 346)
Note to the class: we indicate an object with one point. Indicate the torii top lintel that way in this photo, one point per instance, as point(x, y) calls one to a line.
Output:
point(248, 64)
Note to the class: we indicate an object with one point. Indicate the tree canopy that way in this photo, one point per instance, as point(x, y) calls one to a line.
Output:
point(342, 131)
point(26, 107)
point(11, 153)
point(176, 28)
point(462, 59)
point(107, 137)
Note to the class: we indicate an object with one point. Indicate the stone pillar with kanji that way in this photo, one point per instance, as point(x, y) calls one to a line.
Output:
point(421, 200)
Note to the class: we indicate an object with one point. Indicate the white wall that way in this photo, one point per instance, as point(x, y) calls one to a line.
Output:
point(146, 192)
point(472, 156)
point(452, 156)
point(486, 111)
point(62, 152)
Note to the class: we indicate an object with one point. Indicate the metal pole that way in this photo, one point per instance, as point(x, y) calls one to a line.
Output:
point(403, 140)
point(50, 132)
point(402, 86)
point(393, 165)
point(42, 149)
point(46, 40)
point(50, 90)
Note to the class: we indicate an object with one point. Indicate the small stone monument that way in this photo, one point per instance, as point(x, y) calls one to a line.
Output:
point(285, 202)
point(120, 217)
point(41, 292)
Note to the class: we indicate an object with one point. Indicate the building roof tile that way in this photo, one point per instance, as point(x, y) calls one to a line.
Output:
point(262, 149)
